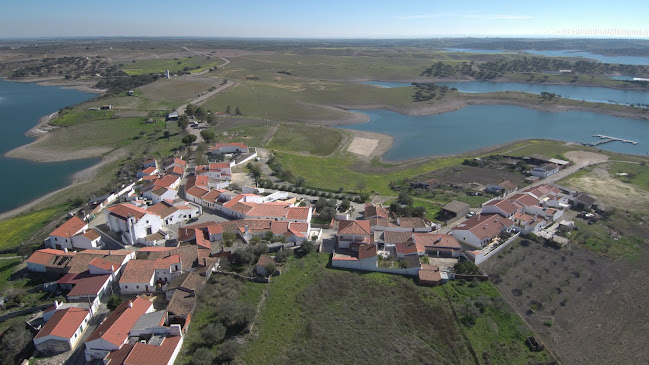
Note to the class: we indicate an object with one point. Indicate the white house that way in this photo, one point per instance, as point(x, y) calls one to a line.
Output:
point(61, 237)
point(63, 331)
point(503, 207)
point(216, 170)
point(147, 171)
point(113, 332)
point(352, 234)
point(134, 223)
point(480, 230)
point(228, 148)
point(159, 194)
point(49, 259)
point(176, 212)
point(545, 170)
point(143, 276)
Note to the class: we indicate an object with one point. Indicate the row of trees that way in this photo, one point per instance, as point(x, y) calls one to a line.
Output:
point(492, 69)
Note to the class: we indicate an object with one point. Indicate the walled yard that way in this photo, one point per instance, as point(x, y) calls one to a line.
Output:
point(588, 308)
point(466, 175)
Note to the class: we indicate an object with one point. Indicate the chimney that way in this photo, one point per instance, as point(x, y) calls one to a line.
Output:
point(65, 249)
point(56, 304)
point(246, 229)
point(109, 253)
point(130, 304)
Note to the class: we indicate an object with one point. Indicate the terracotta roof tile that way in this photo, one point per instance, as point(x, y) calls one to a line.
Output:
point(86, 284)
point(436, 240)
point(145, 354)
point(354, 227)
point(116, 327)
point(64, 323)
point(102, 264)
point(91, 234)
point(68, 229)
point(301, 213)
point(125, 210)
point(47, 256)
point(375, 210)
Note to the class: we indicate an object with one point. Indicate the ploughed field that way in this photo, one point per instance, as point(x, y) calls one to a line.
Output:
point(588, 308)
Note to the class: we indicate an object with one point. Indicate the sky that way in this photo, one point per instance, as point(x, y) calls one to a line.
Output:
point(323, 19)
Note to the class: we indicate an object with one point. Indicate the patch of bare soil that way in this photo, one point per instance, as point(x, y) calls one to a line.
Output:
point(588, 308)
point(609, 190)
point(584, 158)
point(462, 174)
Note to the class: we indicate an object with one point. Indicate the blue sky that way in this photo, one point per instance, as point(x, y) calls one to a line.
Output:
point(319, 19)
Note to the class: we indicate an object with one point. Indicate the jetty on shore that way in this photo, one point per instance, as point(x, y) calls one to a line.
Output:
point(607, 139)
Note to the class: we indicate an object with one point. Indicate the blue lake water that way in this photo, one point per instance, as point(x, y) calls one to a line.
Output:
point(479, 126)
point(625, 60)
point(587, 93)
point(21, 106)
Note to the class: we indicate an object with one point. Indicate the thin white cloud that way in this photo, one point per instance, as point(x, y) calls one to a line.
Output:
point(464, 15)
point(420, 16)
point(499, 16)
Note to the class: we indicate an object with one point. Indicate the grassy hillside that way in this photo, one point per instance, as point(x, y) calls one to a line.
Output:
point(315, 315)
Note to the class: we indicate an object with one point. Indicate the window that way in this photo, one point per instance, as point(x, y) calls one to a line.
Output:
point(125, 286)
point(137, 287)
point(56, 239)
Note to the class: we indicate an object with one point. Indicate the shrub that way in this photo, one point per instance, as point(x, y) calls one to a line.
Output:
point(202, 356)
point(235, 315)
point(213, 333)
point(282, 255)
point(229, 350)
point(114, 301)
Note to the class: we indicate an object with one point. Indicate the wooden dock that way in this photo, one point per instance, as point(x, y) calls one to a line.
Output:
point(607, 139)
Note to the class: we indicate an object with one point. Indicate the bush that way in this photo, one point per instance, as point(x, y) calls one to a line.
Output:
point(235, 315)
point(228, 351)
point(14, 341)
point(282, 255)
point(307, 247)
point(260, 249)
point(202, 356)
point(213, 333)
point(114, 301)
point(242, 256)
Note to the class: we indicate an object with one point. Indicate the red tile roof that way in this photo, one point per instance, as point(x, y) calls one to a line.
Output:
point(212, 196)
point(162, 209)
point(86, 284)
point(116, 327)
point(375, 210)
point(102, 264)
point(177, 170)
point(196, 191)
point(485, 226)
point(354, 227)
point(412, 222)
point(436, 240)
point(91, 234)
point(180, 162)
point(366, 251)
point(138, 271)
point(505, 205)
point(145, 354)
point(218, 165)
point(64, 323)
point(396, 237)
point(125, 210)
point(301, 213)
point(166, 181)
point(264, 260)
point(149, 170)
point(430, 274)
point(47, 256)
point(68, 229)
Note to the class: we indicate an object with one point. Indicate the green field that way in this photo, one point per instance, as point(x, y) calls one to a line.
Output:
point(14, 231)
point(316, 140)
point(337, 315)
point(637, 174)
point(339, 171)
point(494, 330)
point(193, 64)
